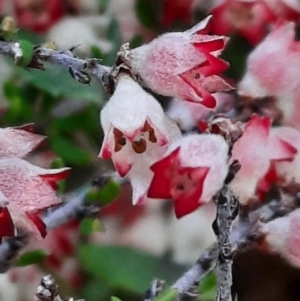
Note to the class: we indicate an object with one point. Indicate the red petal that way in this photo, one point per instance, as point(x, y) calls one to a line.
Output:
point(7, 226)
point(207, 99)
point(38, 222)
point(215, 66)
point(184, 206)
point(202, 126)
point(28, 127)
point(210, 46)
point(160, 187)
point(261, 123)
point(282, 150)
point(62, 174)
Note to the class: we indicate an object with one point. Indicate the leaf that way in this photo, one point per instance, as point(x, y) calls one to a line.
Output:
point(27, 50)
point(208, 287)
point(148, 13)
point(56, 81)
point(113, 298)
point(69, 152)
point(169, 294)
point(105, 195)
point(31, 257)
point(90, 225)
point(120, 267)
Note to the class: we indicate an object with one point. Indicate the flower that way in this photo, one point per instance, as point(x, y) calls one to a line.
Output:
point(18, 141)
point(288, 170)
point(249, 18)
point(38, 15)
point(191, 172)
point(188, 114)
point(267, 74)
point(28, 189)
point(184, 65)
point(137, 133)
point(257, 151)
point(282, 237)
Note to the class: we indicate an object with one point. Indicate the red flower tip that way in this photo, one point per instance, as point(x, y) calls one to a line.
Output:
point(7, 226)
point(38, 222)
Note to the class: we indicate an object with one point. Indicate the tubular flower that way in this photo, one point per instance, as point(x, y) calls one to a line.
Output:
point(184, 65)
point(249, 18)
point(267, 74)
point(288, 170)
point(283, 237)
point(28, 189)
point(191, 172)
point(137, 133)
point(256, 151)
point(18, 141)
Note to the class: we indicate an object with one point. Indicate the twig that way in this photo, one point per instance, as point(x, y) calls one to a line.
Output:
point(48, 290)
point(227, 209)
point(81, 70)
point(197, 272)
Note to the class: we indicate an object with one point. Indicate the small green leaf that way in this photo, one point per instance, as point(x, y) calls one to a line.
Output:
point(113, 298)
point(32, 257)
point(57, 163)
point(69, 152)
point(208, 287)
point(105, 195)
point(167, 295)
point(27, 49)
point(90, 225)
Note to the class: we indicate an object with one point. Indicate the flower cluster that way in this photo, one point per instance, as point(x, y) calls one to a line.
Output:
point(25, 189)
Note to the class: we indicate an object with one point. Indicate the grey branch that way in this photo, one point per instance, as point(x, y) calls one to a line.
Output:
point(227, 208)
point(48, 290)
point(81, 70)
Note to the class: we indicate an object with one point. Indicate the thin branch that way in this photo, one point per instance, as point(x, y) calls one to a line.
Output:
point(81, 70)
point(48, 290)
point(227, 209)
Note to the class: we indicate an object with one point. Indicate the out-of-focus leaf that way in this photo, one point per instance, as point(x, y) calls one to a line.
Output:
point(90, 225)
point(148, 13)
point(113, 35)
point(32, 257)
point(34, 38)
point(20, 109)
point(103, 4)
point(69, 152)
point(105, 195)
point(136, 41)
point(95, 290)
point(57, 82)
point(167, 295)
point(125, 268)
point(113, 298)
point(27, 50)
point(208, 287)
point(96, 52)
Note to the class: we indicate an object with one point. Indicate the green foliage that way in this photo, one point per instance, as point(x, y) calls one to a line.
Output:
point(90, 225)
point(149, 13)
point(124, 268)
point(28, 51)
point(208, 287)
point(169, 294)
point(31, 257)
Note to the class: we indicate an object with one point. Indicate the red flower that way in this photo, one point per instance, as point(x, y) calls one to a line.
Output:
point(192, 171)
point(184, 65)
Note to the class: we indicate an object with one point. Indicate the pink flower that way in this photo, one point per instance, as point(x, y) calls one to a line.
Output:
point(38, 15)
point(18, 141)
point(288, 170)
point(256, 151)
point(283, 237)
point(137, 133)
point(188, 114)
point(285, 9)
point(191, 172)
point(28, 189)
point(184, 65)
point(268, 74)
point(249, 18)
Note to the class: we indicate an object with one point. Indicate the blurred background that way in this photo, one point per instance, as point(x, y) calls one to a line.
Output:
point(135, 244)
